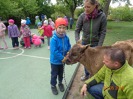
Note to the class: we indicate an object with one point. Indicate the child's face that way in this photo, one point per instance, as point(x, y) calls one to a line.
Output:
point(61, 29)
point(10, 23)
point(39, 26)
point(22, 24)
point(45, 24)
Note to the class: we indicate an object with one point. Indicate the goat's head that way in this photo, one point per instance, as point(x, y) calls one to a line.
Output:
point(75, 54)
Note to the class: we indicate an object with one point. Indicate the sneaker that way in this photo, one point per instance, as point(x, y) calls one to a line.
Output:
point(17, 47)
point(54, 90)
point(1, 48)
point(29, 47)
point(48, 47)
point(61, 87)
point(6, 47)
point(83, 78)
point(25, 47)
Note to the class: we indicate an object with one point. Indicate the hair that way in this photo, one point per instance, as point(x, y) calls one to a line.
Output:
point(93, 2)
point(116, 54)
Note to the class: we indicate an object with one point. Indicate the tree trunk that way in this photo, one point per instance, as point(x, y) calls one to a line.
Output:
point(106, 7)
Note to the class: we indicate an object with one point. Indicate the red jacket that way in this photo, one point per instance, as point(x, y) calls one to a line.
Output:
point(47, 30)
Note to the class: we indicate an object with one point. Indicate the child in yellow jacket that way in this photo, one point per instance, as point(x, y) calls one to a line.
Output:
point(40, 31)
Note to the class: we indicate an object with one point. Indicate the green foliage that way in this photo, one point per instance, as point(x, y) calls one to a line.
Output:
point(71, 5)
point(78, 12)
point(60, 10)
point(122, 14)
point(45, 8)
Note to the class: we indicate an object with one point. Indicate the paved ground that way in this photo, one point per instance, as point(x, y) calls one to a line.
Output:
point(25, 73)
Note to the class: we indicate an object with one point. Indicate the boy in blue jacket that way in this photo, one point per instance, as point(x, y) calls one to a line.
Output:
point(59, 46)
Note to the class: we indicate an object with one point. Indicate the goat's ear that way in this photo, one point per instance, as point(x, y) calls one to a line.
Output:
point(84, 47)
point(79, 42)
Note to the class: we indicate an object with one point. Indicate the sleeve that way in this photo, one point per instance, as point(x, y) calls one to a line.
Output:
point(28, 30)
point(102, 30)
point(4, 27)
point(97, 78)
point(128, 88)
point(78, 27)
point(69, 45)
point(17, 31)
point(54, 50)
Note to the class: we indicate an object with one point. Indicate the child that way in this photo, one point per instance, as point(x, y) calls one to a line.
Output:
point(40, 31)
point(2, 34)
point(36, 40)
point(13, 33)
point(28, 22)
point(59, 46)
point(25, 31)
point(37, 20)
point(47, 31)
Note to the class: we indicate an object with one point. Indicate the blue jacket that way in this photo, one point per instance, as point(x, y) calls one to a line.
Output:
point(59, 46)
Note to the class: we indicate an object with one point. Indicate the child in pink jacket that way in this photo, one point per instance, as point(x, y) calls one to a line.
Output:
point(25, 31)
point(2, 34)
point(36, 40)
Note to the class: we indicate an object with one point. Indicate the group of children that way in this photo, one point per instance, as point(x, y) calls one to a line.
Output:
point(14, 33)
point(59, 45)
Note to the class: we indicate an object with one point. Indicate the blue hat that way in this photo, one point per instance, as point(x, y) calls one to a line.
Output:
point(39, 24)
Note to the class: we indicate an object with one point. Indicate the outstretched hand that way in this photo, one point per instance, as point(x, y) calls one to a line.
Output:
point(65, 58)
point(83, 90)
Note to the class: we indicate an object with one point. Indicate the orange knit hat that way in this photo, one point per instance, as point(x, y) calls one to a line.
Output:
point(60, 21)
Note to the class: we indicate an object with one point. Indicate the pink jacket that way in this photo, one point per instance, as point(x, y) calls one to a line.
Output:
point(36, 40)
point(25, 31)
point(2, 29)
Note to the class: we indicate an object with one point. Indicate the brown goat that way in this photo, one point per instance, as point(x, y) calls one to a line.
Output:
point(92, 57)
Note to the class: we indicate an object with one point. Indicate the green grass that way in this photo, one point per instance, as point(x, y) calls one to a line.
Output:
point(117, 31)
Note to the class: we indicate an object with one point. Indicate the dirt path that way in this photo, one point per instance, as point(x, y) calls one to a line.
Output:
point(74, 92)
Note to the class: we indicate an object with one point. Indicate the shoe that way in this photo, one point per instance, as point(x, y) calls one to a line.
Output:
point(6, 47)
point(1, 48)
point(83, 78)
point(61, 87)
point(54, 90)
point(48, 47)
point(29, 47)
point(25, 47)
point(17, 47)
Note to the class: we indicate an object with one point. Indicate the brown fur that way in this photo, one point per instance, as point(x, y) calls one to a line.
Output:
point(92, 58)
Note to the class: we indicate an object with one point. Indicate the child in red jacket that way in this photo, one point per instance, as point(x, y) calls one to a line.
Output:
point(47, 31)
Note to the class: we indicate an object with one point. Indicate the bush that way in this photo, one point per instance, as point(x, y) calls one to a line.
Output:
point(121, 14)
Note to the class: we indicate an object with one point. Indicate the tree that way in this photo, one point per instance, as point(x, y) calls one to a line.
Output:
point(105, 4)
point(71, 4)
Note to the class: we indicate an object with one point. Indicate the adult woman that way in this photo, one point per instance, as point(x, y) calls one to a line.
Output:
point(93, 23)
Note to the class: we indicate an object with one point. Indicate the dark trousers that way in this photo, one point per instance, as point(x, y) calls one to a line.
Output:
point(96, 91)
point(56, 71)
point(15, 41)
point(71, 26)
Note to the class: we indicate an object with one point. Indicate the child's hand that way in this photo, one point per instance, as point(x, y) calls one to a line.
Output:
point(64, 60)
